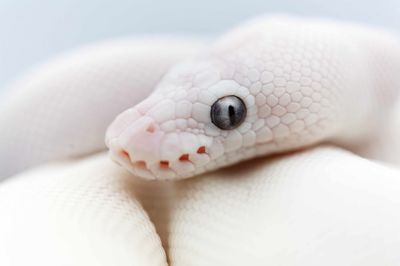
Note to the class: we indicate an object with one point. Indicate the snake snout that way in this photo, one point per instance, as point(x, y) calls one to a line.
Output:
point(133, 140)
point(138, 143)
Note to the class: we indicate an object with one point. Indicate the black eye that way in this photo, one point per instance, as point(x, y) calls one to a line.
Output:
point(228, 112)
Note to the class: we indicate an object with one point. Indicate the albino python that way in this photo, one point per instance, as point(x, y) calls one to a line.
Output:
point(268, 86)
point(271, 85)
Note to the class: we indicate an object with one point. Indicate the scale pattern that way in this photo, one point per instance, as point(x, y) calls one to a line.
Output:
point(301, 82)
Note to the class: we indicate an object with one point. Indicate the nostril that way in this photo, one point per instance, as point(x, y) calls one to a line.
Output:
point(125, 154)
point(201, 150)
point(151, 128)
point(184, 157)
point(164, 164)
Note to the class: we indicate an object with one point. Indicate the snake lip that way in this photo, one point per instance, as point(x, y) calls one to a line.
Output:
point(186, 163)
point(183, 158)
point(182, 166)
point(181, 161)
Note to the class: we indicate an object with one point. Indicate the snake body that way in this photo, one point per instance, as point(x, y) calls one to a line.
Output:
point(302, 81)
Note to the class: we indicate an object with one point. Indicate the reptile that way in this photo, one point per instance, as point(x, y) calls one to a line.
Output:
point(271, 85)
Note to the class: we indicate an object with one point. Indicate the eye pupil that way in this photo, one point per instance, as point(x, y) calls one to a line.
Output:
point(228, 112)
point(231, 111)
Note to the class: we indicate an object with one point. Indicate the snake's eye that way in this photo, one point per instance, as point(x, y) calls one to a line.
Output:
point(228, 112)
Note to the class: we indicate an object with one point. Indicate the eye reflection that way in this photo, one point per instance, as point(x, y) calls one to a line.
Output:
point(228, 112)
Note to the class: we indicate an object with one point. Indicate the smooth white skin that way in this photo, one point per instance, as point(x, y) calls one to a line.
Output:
point(303, 81)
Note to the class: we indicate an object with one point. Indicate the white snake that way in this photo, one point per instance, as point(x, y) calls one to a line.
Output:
point(301, 81)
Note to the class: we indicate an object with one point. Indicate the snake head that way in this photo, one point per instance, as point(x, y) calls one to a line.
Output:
point(270, 86)
point(237, 101)
point(185, 127)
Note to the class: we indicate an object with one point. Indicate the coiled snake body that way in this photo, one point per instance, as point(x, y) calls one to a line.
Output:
point(270, 85)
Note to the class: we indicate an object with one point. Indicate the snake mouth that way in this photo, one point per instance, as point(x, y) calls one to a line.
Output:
point(184, 165)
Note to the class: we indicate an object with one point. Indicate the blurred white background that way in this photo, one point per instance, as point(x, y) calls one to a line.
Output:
point(33, 31)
